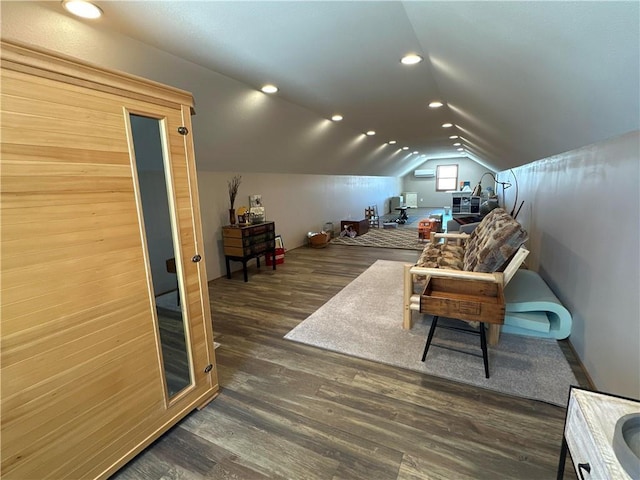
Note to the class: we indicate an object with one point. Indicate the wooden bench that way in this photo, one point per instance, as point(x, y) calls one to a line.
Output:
point(491, 254)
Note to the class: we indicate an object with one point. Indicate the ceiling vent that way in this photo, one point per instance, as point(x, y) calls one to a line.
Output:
point(425, 173)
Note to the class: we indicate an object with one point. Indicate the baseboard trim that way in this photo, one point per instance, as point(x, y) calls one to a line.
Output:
point(591, 385)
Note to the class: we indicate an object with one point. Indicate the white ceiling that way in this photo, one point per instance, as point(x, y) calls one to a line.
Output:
point(520, 80)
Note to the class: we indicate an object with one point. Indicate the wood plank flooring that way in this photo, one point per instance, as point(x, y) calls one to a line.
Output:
point(174, 350)
point(292, 411)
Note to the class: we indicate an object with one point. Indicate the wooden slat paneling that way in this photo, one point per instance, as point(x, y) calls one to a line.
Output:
point(48, 227)
point(80, 375)
point(20, 57)
point(63, 303)
point(59, 293)
point(72, 171)
point(53, 108)
point(49, 213)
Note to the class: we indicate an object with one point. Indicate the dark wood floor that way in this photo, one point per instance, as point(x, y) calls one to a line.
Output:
point(174, 350)
point(287, 410)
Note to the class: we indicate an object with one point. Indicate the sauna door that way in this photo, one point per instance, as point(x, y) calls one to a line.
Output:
point(83, 369)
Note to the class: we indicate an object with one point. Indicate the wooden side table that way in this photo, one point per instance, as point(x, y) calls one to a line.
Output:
point(593, 429)
point(360, 226)
point(243, 243)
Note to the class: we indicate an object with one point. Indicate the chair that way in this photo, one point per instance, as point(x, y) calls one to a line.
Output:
point(371, 214)
point(467, 300)
point(483, 342)
point(473, 298)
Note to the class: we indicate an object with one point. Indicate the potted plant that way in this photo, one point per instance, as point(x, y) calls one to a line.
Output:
point(233, 184)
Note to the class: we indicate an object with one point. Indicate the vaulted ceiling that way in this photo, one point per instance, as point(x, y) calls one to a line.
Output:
point(520, 81)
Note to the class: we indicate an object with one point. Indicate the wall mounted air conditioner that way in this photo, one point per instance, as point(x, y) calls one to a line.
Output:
point(425, 173)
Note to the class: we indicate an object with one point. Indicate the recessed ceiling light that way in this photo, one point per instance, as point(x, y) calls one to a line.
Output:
point(435, 104)
point(453, 136)
point(447, 125)
point(82, 9)
point(411, 59)
point(371, 132)
point(269, 89)
point(416, 152)
point(457, 144)
point(405, 148)
point(336, 118)
point(392, 142)
point(461, 149)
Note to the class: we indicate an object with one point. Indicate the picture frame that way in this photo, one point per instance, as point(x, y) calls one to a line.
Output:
point(257, 214)
point(255, 200)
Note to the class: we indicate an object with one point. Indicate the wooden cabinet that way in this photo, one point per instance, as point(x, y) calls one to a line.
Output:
point(359, 226)
point(243, 243)
point(83, 371)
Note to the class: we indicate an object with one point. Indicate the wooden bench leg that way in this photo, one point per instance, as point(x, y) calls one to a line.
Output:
point(434, 324)
point(494, 334)
point(483, 346)
point(407, 321)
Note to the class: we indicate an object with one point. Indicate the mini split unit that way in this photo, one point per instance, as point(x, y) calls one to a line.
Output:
point(424, 173)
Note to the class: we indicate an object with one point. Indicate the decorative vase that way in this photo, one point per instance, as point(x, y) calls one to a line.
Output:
point(232, 216)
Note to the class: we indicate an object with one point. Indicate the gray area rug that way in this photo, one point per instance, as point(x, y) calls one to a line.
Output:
point(365, 320)
point(399, 237)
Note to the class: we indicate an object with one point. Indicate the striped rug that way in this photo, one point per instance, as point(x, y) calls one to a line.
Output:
point(403, 238)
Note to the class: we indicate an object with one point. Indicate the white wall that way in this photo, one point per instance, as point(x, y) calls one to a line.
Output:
point(236, 127)
point(582, 212)
point(297, 204)
point(468, 170)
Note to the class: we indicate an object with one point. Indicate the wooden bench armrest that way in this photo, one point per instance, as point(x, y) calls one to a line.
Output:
point(450, 235)
point(514, 264)
point(443, 272)
point(502, 277)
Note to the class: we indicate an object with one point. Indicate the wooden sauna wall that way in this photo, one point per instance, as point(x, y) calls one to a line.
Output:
point(82, 383)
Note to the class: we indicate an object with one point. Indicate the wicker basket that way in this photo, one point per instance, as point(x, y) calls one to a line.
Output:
point(319, 240)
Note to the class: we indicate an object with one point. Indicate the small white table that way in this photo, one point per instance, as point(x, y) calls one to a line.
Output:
point(588, 433)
